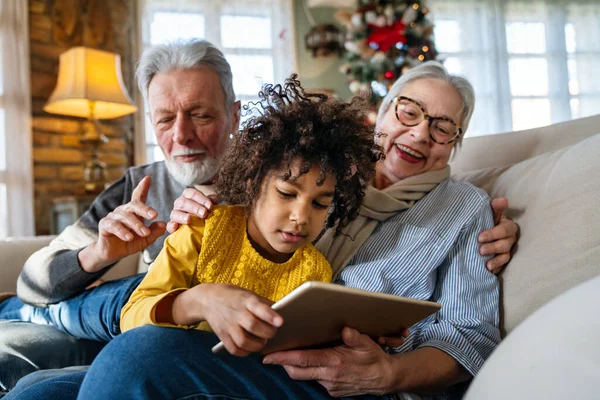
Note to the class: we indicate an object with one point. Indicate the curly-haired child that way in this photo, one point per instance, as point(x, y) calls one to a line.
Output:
point(295, 170)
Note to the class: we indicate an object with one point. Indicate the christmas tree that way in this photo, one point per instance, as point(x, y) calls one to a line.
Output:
point(383, 39)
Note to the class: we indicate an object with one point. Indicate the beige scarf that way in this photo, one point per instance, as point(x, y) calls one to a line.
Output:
point(377, 206)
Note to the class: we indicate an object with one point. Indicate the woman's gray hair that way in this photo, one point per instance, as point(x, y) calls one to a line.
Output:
point(184, 55)
point(434, 70)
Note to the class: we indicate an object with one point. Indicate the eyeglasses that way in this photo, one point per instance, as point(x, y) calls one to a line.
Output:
point(442, 130)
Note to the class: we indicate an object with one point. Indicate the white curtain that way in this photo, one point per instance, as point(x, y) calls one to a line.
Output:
point(256, 36)
point(532, 62)
point(16, 183)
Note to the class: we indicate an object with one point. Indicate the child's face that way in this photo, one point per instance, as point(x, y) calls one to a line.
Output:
point(289, 214)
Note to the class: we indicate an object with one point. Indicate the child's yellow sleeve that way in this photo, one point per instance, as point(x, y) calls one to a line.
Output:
point(172, 272)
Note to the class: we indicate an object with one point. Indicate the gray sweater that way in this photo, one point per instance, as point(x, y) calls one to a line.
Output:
point(53, 273)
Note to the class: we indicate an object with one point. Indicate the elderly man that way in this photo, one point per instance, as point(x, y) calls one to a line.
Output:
point(193, 111)
point(188, 88)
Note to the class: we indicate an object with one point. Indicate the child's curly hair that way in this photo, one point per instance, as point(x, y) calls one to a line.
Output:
point(309, 126)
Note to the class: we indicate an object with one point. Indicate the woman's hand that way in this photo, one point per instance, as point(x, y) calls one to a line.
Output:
point(393, 341)
point(240, 318)
point(359, 366)
point(123, 232)
point(500, 239)
point(191, 202)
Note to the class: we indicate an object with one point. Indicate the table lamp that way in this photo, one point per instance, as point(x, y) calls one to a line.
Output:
point(90, 85)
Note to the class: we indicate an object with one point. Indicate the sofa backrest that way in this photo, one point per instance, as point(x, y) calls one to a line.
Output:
point(506, 149)
point(551, 177)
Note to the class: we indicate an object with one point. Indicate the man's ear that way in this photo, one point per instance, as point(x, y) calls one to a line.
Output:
point(235, 110)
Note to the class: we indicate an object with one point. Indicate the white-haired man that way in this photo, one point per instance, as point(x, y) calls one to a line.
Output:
point(188, 89)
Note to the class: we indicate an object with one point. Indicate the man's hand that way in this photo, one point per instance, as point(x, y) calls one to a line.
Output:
point(242, 320)
point(359, 366)
point(500, 239)
point(123, 232)
point(191, 202)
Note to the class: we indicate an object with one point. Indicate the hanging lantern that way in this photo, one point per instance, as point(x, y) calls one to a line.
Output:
point(324, 39)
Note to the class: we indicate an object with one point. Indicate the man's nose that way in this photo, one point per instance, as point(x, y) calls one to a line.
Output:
point(183, 130)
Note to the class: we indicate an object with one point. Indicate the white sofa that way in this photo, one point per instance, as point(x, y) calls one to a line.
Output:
point(551, 176)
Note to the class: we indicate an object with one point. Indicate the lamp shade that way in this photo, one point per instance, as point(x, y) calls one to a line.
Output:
point(89, 76)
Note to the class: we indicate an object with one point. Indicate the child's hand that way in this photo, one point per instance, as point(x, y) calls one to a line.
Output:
point(240, 318)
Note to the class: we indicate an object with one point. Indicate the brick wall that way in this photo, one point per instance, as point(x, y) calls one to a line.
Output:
point(58, 157)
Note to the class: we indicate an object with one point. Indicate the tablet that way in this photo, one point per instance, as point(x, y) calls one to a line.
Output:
point(315, 314)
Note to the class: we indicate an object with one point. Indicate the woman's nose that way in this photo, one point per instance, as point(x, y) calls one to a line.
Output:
point(421, 131)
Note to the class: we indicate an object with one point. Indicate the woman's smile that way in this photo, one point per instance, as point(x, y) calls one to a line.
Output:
point(409, 155)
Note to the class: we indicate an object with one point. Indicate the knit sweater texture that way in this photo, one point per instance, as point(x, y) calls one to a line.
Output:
point(217, 250)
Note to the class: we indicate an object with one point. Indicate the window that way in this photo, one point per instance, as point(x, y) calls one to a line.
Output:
point(16, 186)
point(3, 172)
point(254, 35)
point(531, 62)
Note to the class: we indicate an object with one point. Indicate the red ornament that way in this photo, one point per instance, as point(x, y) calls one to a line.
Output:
point(387, 36)
point(389, 75)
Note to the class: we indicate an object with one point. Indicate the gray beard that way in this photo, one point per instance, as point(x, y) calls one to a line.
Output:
point(194, 173)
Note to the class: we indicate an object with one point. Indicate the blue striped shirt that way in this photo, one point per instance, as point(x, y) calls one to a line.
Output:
point(431, 252)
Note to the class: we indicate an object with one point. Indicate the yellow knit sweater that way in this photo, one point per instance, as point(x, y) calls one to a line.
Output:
point(217, 250)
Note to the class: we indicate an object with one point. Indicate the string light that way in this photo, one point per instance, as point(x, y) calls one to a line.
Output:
point(425, 49)
point(421, 57)
point(415, 6)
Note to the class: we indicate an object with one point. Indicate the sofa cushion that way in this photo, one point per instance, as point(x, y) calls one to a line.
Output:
point(553, 197)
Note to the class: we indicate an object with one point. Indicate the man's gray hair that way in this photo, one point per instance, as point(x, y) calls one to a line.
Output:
point(184, 55)
point(434, 70)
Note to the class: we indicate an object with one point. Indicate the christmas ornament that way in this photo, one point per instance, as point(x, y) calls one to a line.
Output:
point(355, 87)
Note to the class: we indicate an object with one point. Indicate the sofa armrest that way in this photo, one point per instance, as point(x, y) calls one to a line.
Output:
point(15, 251)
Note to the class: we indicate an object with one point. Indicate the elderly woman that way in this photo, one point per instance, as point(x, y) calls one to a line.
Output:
point(416, 237)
